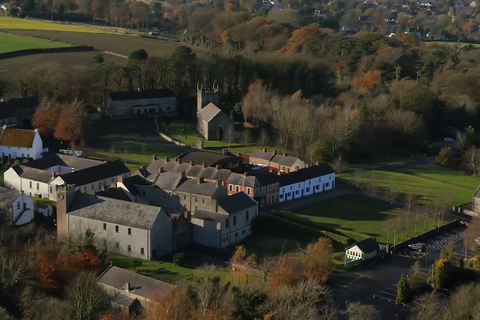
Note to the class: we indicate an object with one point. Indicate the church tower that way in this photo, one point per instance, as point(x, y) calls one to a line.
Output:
point(204, 97)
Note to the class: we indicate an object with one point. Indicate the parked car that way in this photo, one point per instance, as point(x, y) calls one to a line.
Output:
point(420, 247)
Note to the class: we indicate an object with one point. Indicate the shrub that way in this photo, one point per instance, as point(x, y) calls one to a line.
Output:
point(179, 259)
point(445, 158)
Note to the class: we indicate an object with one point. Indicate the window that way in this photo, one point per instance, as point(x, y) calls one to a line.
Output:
point(113, 180)
point(116, 228)
point(129, 248)
point(249, 190)
point(185, 197)
point(236, 234)
point(18, 205)
point(92, 187)
point(51, 189)
point(31, 185)
point(117, 245)
point(317, 187)
point(263, 189)
point(22, 155)
point(99, 185)
point(297, 192)
point(237, 188)
point(247, 215)
point(38, 186)
point(308, 189)
point(327, 184)
point(130, 231)
point(104, 226)
point(196, 200)
point(203, 200)
point(226, 223)
point(234, 221)
point(243, 231)
point(142, 251)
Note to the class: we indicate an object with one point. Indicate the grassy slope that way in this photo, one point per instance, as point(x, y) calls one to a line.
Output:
point(10, 42)
point(172, 272)
point(16, 23)
point(138, 152)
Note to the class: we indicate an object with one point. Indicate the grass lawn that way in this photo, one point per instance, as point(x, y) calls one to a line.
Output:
point(264, 246)
point(172, 273)
point(356, 213)
point(11, 42)
point(17, 23)
point(430, 182)
point(138, 152)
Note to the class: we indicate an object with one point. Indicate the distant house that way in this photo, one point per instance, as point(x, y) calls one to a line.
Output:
point(283, 163)
point(18, 112)
point(131, 291)
point(211, 121)
point(141, 103)
point(16, 206)
point(225, 159)
point(473, 4)
point(38, 178)
point(263, 188)
point(45, 209)
point(225, 221)
point(363, 250)
point(20, 143)
point(127, 228)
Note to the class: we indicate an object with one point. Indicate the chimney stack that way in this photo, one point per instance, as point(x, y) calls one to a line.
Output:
point(167, 159)
point(127, 286)
point(204, 164)
point(178, 160)
point(296, 168)
point(245, 174)
point(161, 170)
point(270, 170)
point(224, 184)
point(264, 149)
point(201, 180)
point(217, 167)
point(223, 151)
point(183, 173)
point(104, 188)
point(154, 157)
point(288, 170)
point(113, 185)
point(119, 179)
point(191, 163)
point(53, 175)
point(274, 152)
point(284, 154)
point(316, 163)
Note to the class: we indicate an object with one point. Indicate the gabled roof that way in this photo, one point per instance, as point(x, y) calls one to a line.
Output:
point(316, 171)
point(131, 182)
point(477, 193)
point(125, 213)
point(210, 158)
point(290, 178)
point(260, 154)
point(209, 112)
point(96, 173)
point(142, 286)
point(169, 180)
point(265, 179)
point(141, 94)
point(286, 161)
point(21, 138)
point(114, 193)
point(57, 159)
point(242, 180)
point(367, 245)
point(196, 187)
point(33, 174)
point(236, 202)
point(8, 196)
point(209, 215)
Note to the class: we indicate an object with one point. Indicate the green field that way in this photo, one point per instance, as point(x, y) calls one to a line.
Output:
point(359, 214)
point(11, 42)
point(17, 23)
point(167, 271)
point(428, 183)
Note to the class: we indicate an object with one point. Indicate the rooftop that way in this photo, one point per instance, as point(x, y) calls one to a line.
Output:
point(141, 94)
point(120, 212)
point(33, 174)
point(366, 245)
point(22, 138)
point(197, 187)
point(210, 158)
point(96, 173)
point(114, 193)
point(209, 112)
point(8, 196)
point(236, 202)
point(210, 215)
point(142, 286)
point(316, 171)
point(57, 159)
point(262, 154)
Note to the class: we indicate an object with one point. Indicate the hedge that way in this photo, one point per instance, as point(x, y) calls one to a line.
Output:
point(27, 52)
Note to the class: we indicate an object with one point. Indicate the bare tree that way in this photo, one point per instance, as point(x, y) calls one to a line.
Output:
point(246, 138)
point(428, 307)
point(4, 315)
point(13, 267)
point(409, 200)
point(358, 311)
point(388, 228)
point(85, 296)
point(338, 164)
point(471, 160)
point(229, 135)
point(371, 184)
point(472, 235)
point(446, 202)
point(264, 138)
point(358, 179)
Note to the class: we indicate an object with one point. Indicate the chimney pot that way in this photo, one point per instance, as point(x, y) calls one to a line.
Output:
point(191, 163)
point(127, 286)
point(161, 170)
point(178, 160)
point(316, 163)
point(223, 151)
point(120, 179)
point(217, 167)
point(167, 159)
point(201, 180)
point(183, 174)
point(53, 175)
point(204, 164)
point(223, 183)
point(245, 173)
point(154, 157)
point(284, 154)
point(270, 170)
point(264, 149)
point(307, 165)
point(296, 168)
point(274, 152)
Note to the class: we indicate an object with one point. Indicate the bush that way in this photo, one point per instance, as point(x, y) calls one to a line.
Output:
point(445, 158)
point(179, 259)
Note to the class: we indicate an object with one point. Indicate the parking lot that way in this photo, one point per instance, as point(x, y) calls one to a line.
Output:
point(434, 244)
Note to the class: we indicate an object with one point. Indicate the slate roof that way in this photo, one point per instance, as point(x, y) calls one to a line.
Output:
point(203, 188)
point(210, 215)
point(142, 94)
point(44, 206)
point(57, 159)
point(169, 180)
point(131, 182)
point(316, 171)
point(123, 300)
point(290, 178)
point(477, 193)
point(209, 112)
point(286, 161)
point(210, 158)
point(208, 173)
point(367, 245)
point(22, 138)
point(33, 174)
point(142, 286)
point(262, 155)
point(265, 179)
point(96, 173)
point(8, 196)
point(114, 193)
point(125, 213)
point(236, 202)
point(8, 107)
point(242, 180)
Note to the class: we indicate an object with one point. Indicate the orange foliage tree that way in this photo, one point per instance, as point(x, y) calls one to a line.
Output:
point(71, 122)
point(176, 304)
point(284, 270)
point(301, 36)
point(317, 261)
point(369, 82)
point(46, 117)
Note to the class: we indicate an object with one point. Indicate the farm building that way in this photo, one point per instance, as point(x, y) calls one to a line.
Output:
point(363, 250)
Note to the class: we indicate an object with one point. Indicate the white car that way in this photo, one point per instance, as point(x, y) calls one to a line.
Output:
point(420, 247)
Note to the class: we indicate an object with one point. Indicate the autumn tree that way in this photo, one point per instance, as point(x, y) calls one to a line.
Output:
point(370, 82)
point(317, 262)
point(301, 36)
point(441, 274)
point(175, 304)
point(240, 257)
point(46, 117)
point(445, 157)
point(472, 235)
point(255, 101)
point(284, 270)
point(71, 122)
